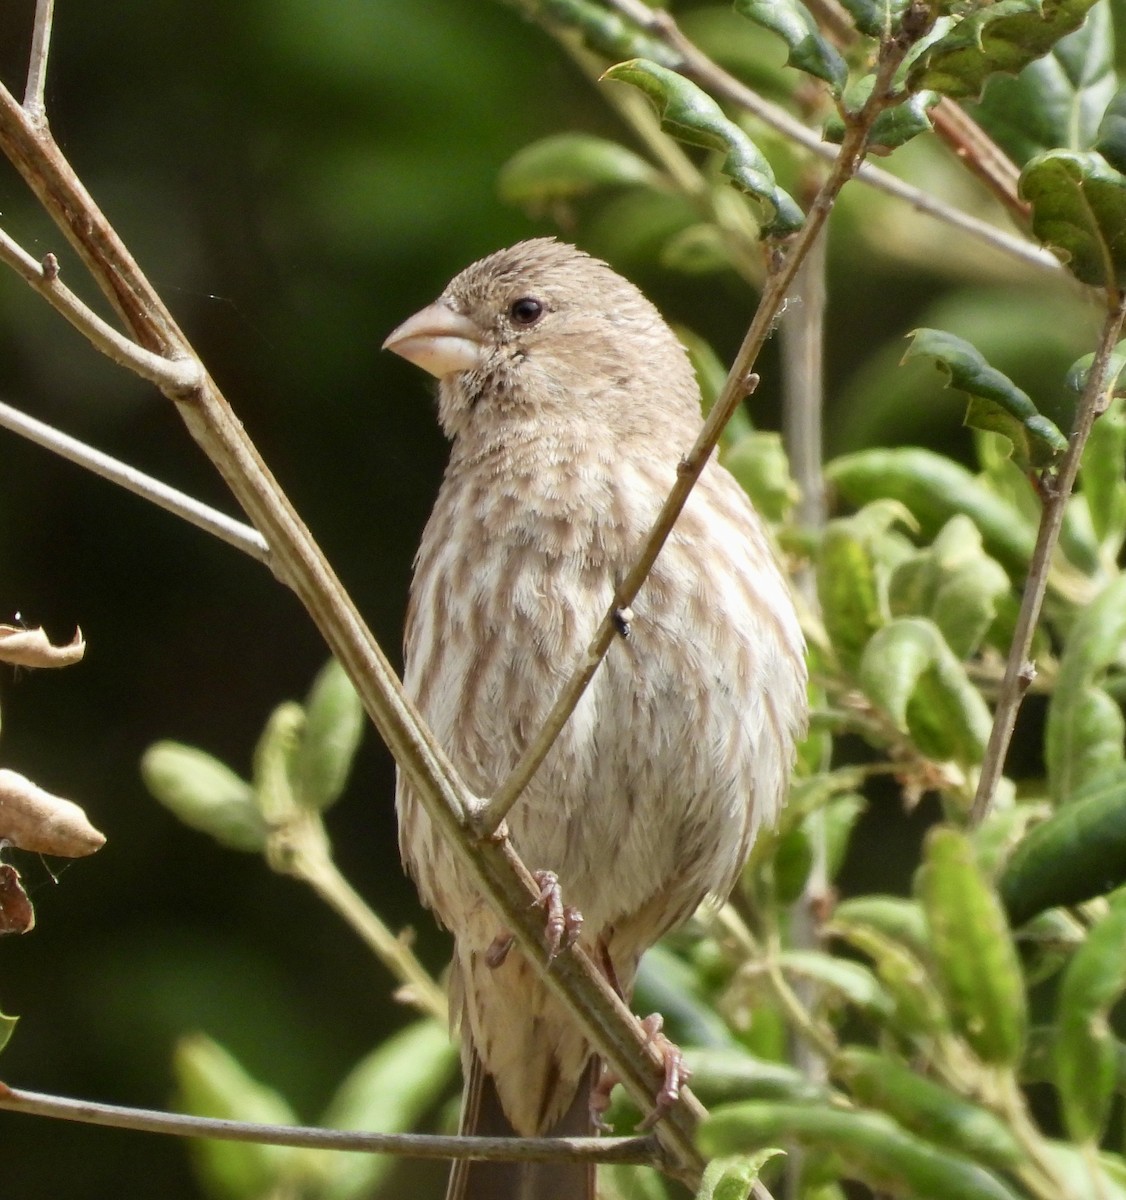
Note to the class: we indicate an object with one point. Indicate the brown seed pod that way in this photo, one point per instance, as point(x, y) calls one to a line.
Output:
point(32, 819)
point(32, 648)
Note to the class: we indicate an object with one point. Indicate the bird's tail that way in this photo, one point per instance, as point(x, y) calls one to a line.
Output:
point(482, 1115)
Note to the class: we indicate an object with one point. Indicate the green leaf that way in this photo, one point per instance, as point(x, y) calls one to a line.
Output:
point(205, 794)
point(1111, 140)
point(275, 764)
point(1056, 101)
point(919, 1013)
point(935, 488)
point(875, 18)
point(892, 917)
point(1005, 36)
point(892, 127)
point(1082, 735)
point(793, 23)
point(996, 403)
point(388, 1090)
point(692, 116)
point(973, 952)
point(334, 724)
point(7, 1028)
point(871, 1148)
point(1077, 854)
point(842, 979)
point(567, 165)
point(1103, 477)
point(852, 570)
point(758, 460)
point(909, 671)
point(605, 31)
point(1086, 1051)
point(733, 1177)
point(925, 1107)
point(720, 1076)
point(1079, 211)
point(668, 985)
point(211, 1083)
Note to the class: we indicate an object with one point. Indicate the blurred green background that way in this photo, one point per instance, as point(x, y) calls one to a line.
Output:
point(297, 178)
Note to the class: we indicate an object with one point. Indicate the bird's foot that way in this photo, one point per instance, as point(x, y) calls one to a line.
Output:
point(563, 923)
point(677, 1073)
point(600, 1099)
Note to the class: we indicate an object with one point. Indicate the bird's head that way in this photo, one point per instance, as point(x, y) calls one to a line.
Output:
point(542, 330)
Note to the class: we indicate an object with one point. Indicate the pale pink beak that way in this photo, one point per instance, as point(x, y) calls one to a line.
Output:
point(438, 340)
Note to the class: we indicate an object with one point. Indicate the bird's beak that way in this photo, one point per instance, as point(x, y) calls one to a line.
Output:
point(438, 340)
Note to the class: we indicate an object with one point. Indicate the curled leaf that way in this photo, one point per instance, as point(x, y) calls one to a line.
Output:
point(691, 115)
point(1004, 36)
point(16, 913)
point(33, 648)
point(810, 51)
point(996, 403)
point(33, 819)
point(1079, 212)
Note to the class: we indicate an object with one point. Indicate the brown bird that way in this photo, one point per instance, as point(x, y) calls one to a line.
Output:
point(569, 403)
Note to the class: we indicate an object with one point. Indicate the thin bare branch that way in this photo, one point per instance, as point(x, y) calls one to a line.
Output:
point(37, 65)
point(1018, 669)
point(408, 1145)
point(179, 375)
point(227, 529)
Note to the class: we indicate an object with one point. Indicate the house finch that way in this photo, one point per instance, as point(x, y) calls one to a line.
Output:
point(569, 403)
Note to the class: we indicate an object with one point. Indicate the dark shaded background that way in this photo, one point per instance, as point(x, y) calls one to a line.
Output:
point(296, 178)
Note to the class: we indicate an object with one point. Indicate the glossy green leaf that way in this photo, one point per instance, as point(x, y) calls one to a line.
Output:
point(1004, 36)
point(668, 985)
point(809, 50)
point(925, 1107)
point(1083, 736)
point(892, 127)
point(1077, 854)
point(1079, 211)
point(605, 31)
point(334, 724)
point(871, 1148)
point(211, 1083)
point(205, 794)
point(733, 1177)
point(973, 952)
point(1086, 1051)
point(909, 671)
point(692, 116)
point(566, 165)
point(935, 488)
point(995, 402)
point(838, 820)
point(793, 861)
point(388, 1090)
point(1111, 139)
point(1056, 102)
point(875, 18)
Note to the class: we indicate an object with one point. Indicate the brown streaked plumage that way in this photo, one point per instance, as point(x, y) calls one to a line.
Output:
point(569, 402)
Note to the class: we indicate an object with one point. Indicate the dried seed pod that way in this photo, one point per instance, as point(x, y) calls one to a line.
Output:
point(32, 819)
point(16, 913)
point(32, 648)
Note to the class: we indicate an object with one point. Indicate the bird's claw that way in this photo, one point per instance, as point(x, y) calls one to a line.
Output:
point(563, 923)
point(498, 950)
point(676, 1069)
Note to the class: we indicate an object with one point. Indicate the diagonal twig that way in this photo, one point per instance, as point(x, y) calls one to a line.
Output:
point(37, 62)
point(1019, 671)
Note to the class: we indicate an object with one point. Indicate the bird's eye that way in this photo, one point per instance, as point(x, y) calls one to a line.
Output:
point(526, 311)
